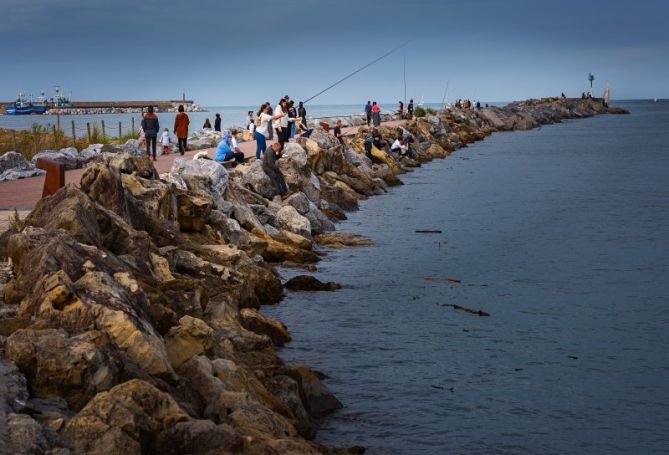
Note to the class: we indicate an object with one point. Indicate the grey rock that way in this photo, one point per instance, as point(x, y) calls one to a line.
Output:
point(69, 157)
point(255, 179)
point(289, 219)
point(300, 202)
point(14, 166)
point(205, 176)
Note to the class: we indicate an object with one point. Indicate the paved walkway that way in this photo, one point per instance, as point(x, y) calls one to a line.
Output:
point(23, 194)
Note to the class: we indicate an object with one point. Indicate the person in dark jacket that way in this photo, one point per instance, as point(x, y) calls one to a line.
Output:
point(302, 113)
point(207, 124)
point(181, 122)
point(217, 122)
point(368, 112)
point(410, 110)
point(151, 126)
point(269, 165)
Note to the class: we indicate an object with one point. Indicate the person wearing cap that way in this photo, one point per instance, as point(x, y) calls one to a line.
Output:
point(228, 150)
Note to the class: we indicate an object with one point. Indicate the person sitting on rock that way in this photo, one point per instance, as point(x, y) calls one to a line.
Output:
point(369, 142)
point(338, 134)
point(398, 148)
point(409, 140)
point(207, 125)
point(269, 165)
point(377, 140)
point(228, 150)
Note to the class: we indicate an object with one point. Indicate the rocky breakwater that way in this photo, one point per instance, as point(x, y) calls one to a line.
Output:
point(130, 320)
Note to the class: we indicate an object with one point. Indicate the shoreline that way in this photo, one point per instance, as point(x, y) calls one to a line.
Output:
point(212, 366)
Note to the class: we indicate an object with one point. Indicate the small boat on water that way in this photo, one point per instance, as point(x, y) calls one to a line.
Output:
point(25, 106)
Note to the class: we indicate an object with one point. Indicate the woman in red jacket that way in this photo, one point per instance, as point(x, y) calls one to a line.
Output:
point(181, 122)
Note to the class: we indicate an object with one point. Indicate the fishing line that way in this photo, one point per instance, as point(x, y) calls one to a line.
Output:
point(357, 71)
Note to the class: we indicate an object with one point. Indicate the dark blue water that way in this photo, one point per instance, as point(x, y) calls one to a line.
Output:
point(562, 235)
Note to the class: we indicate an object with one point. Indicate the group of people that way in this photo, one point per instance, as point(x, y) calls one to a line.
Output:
point(150, 126)
point(401, 147)
point(282, 121)
point(467, 104)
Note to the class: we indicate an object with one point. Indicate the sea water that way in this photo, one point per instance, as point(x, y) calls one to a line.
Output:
point(561, 234)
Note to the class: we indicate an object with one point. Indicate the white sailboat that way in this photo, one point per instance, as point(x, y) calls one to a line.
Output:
point(607, 95)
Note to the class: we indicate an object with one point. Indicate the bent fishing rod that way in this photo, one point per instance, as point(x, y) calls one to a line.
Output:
point(358, 70)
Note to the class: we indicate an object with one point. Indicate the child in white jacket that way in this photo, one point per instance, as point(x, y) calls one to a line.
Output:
point(165, 140)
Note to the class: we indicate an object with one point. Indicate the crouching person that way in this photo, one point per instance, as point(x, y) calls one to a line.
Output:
point(271, 168)
point(228, 150)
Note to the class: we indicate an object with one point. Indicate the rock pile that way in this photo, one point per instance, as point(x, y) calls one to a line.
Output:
point(130, 323)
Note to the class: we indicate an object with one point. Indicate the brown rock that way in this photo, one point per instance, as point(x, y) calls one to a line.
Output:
point(309, 283)
point(259, 323)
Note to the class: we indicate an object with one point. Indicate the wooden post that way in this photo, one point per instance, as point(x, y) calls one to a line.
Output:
point(55, 139)
point(119, 132)
point(88, 130)
point(35, 139)
point(74, 135)
point(58, 121)
point(16, 145)
point(132, 123)
point(103, 130)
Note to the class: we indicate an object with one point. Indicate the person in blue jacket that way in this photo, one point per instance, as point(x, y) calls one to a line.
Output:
point(228, 149)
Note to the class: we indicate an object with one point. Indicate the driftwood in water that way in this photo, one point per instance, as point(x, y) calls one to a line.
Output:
point(466, 310)
point(428, 231)
point(446, 278)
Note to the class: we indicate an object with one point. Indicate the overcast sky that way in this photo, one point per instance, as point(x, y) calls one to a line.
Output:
point(240, 52)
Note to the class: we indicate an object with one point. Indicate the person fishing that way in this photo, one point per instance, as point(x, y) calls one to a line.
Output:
point(263, 127)
point(271, 168)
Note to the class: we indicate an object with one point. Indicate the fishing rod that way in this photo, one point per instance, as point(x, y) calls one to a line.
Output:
point(357, 71)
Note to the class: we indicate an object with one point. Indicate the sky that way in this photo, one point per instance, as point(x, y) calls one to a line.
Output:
point(240, 52)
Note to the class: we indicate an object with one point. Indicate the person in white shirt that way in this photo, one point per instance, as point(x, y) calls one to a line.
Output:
point(281, 125)
point(261, 131)
point(398, 148)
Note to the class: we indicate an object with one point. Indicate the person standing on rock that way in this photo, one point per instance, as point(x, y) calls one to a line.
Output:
point(282, 123)
point(376, 114)
point(410, 110)
point(151, 126)
point(263, 127)
point(292, 117)
point(271, 127)
point(271, 168)
point(368, 112)
point(181, 122)
point(400, 109)
point(302, 113)
point(217, 122)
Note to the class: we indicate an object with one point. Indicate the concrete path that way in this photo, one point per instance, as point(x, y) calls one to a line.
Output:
point(23, 194)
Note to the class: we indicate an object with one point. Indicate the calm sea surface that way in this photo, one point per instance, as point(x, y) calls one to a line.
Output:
point(562, 235)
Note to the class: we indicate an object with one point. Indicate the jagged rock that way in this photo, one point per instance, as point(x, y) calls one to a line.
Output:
point(203, 176)
point(287, 390)
point(84, 367)
point(14, 166)
point(324, 140)
point(26, 436)
point(126, 419)
point(126, 163)
point(264, 214)
point(193, 211)
point(259, 323)
point(318, 399)
point(255, 179)
point(289, 219)
point(309, 283)
point(299, 201)
point(68, 157)
point(190, 338)
point(342, 239)
point(229, 228)
point(198, 437)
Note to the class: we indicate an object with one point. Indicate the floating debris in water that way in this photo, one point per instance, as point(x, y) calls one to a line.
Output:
point(428, 231)
point(466, 310)
point(444, 278)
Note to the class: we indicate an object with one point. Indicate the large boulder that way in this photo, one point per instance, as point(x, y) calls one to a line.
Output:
point(310, 283)
point(83, 367)
point(323, 139)
point(69, 157)
point(203, 176)
point(290, 219)
point(14, 166)
point(257, 322)
point(300, 202)
point(255, 179)
point(190, 338)
point(125, 420)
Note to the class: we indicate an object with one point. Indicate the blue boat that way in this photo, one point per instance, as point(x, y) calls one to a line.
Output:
point(23, 106)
